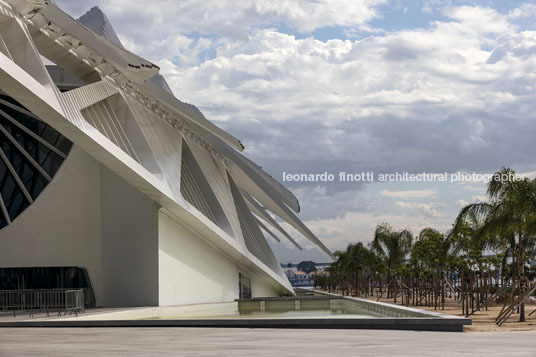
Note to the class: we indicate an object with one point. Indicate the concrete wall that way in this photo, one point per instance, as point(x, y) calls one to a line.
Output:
point(261, 289)
point(129, 223)
point(192, 272)
point(189, 270)
point(88, 217)
point(63, 226)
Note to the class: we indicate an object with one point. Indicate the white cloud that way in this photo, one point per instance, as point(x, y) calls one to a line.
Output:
point(319, 202)
point(228, 18)
point(523, 11)
point(475, 188)
point(361, 98)
point(461, 203)
point(360, 226)
point(428, 210)
point(480, 19)
point(430, 6)
point(529, 174)
point(410, 194)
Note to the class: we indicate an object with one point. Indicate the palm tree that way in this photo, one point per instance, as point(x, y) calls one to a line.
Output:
point(338, 271)
point(364, 264)
point(509, 219)
point(467, 234)
point(393, 246)
point(436, 247)
point(352, 267)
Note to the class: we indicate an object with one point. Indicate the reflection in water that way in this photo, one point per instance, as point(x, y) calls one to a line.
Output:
point(299, 307)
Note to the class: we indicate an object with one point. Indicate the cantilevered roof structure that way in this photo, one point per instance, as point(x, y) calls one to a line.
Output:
point(105, 172)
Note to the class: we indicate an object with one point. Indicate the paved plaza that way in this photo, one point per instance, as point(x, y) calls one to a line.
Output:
point(259, 342)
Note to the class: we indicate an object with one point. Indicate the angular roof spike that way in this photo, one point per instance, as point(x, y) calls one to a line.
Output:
point(267, 230)
point(261, 212)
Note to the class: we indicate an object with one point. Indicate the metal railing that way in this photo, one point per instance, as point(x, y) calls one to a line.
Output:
point(50, 300)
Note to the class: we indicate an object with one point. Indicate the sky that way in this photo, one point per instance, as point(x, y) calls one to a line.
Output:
point(382, 86)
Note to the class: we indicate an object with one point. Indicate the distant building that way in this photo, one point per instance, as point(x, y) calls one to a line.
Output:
point(300, 278)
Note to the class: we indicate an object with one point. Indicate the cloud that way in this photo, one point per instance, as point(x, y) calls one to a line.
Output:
point(430, 6)
point(410, 194)
point(523, 11)
point(428, 210)
point(480, 20)
point(360, 226)
point(227, 18)
point(480, 198)
point(462, 203)
point(319, 202)
point(475, 188)
point(414, 100)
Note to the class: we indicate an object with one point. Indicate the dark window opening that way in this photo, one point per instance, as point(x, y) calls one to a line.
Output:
point(48, 278)
point(244, 287)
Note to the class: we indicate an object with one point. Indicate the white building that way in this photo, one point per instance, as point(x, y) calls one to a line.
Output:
point(299, 278)
point(110, 183)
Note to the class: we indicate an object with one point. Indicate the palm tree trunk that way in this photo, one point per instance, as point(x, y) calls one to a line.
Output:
point(389, 278)
point(521, 269)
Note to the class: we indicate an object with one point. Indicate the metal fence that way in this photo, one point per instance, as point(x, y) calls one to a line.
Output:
point(50, 300)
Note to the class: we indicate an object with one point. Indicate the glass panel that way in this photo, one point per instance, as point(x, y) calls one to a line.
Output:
point(30, 177)
point(3, 221)
point(13, 197)
point(27, 172)
point(31, 123)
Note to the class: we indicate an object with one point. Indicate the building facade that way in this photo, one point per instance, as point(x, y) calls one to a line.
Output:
point(110, 183)
point(298, 278)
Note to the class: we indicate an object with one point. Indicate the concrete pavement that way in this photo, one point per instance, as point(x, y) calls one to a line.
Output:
point(259, 342)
